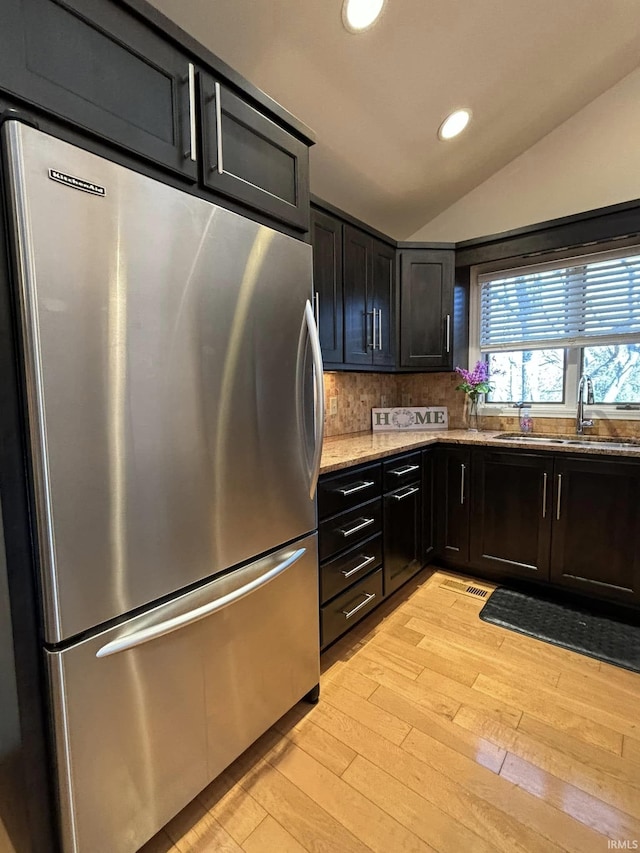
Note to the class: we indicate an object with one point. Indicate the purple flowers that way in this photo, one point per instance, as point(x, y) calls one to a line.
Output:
point(474, 382)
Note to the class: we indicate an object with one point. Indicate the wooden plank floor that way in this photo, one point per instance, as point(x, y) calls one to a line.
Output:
point(435, 731)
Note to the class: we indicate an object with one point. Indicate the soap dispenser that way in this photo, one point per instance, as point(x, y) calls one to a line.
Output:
point(526, 421)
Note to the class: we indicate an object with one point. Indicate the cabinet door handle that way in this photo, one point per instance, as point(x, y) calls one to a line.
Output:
point(448, 332)
point(371, 314)
point(349, 531)
point(401, 497)
point(369, 596)
point(559, 497)
point(400, 472)
point(380, 328)
point(544, 495)
point(317, 307)
point(191, 153)
point(462, 471)
point(361, 565)
point(220, 164)
point(365, 484)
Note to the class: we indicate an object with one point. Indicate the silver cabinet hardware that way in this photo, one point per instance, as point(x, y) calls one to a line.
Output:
point(192, 113)
point(365, 484)
point(544, 495)
point(371, 314)
point(559, 497)
point(406, 494)
point(380, 328)
point(361, 565)
point(400, 472)
point(448, 332)
point(463, 468)
point(220, 165)
point(317, 307)
point(349, 531)
point(369, 597)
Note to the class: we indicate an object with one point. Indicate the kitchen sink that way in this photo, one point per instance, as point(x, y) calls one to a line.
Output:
point(572, 440)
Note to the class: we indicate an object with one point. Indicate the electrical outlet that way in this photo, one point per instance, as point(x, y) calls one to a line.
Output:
point(383, 401)
point(333, 405)
point(406, 399)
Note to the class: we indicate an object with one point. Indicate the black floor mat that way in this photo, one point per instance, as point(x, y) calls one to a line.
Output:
point(588, 630)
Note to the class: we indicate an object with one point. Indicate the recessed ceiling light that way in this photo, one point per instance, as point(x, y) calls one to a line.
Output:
point(454, 124)
point(359, 15)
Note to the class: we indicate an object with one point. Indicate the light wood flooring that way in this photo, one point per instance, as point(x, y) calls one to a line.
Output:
point(435, 731)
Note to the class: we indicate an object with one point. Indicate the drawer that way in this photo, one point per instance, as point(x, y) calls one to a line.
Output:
point(401, 470)
point(342, 571)
point(348, 488)
point(350, 607)
point(348, 528)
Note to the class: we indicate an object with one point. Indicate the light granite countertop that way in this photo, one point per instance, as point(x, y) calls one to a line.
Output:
point(342, 451)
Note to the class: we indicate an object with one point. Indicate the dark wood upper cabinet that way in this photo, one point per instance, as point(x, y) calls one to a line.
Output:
point(101, 68)
point(453, 470)
point(358, 317)
point(426, 309)
point(369, 295)
point(326, 237)
point(596, 527)
point(249, 157)
point(382, 302)
point(511, 506)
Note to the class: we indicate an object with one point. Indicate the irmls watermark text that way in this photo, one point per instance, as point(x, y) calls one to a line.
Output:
point(623, 844)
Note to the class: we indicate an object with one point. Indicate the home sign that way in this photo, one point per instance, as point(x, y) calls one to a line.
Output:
point(409, 418)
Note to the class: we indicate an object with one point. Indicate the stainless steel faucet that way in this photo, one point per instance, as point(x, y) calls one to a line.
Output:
point(581, 423)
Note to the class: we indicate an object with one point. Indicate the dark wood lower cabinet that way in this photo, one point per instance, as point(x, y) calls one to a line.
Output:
point(429, 503)
point(511, 512)
point(595, 544)
point(452, 477)
point(402, 528)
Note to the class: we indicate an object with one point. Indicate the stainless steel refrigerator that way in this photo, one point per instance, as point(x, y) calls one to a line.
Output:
point(174, 396)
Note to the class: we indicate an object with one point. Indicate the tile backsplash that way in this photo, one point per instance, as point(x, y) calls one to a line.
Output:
point(357, 393)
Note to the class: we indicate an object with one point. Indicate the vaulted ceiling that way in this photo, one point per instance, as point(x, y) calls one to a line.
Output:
point(376, 99)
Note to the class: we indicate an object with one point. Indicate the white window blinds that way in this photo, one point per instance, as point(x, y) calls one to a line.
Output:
point(585, 301)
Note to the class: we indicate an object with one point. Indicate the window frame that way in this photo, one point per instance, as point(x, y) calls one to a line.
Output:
point(574, 354)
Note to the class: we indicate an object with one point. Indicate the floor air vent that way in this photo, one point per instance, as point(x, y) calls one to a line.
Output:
point(465, 588)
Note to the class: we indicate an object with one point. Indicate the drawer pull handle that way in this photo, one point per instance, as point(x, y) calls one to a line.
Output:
point(365, 484)
point(369, 596)
point(401, 497)
point(349, 531)
point(544, 495)
point(559, 497)
point(400, 472)
point(361, 565)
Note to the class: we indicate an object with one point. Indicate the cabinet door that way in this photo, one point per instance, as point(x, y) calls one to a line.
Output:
point(511, 513)
point(358, 317)
point(426, 309)
point(252, 159)
point(326, 237)
point(428, 506)
point(98, 66)
point(453, 470)
point(382, 302)
point(402, 535)
point(596, 527)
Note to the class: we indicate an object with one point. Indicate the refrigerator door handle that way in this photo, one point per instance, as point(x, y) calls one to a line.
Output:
point(314, 338)
point(167, 626)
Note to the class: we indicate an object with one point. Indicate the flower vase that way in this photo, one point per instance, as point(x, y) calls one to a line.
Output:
point(472, 415)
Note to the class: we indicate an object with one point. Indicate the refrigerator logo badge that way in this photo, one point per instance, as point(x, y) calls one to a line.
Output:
point(76, 183)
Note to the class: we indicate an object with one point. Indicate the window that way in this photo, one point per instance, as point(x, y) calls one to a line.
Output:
point(541, 327)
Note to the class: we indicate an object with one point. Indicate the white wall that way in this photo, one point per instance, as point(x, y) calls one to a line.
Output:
point(590, 161)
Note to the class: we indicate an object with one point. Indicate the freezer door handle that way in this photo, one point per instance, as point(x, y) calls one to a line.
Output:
point(169, 625)
point(316, 352)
